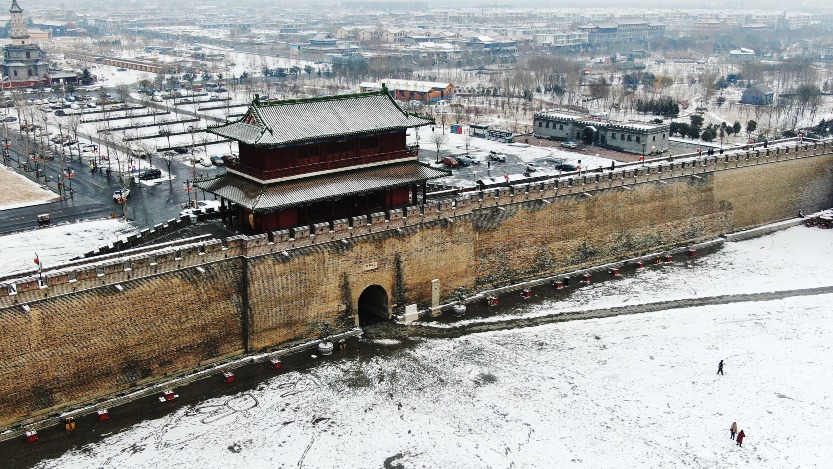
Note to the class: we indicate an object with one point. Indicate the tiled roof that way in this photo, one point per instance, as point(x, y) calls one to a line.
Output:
point(264, 198)
point(281, 123)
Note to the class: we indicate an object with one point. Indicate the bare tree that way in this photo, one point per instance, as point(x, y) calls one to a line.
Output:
point(439, 140)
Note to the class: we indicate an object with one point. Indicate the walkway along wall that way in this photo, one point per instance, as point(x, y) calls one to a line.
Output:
point(97, 328)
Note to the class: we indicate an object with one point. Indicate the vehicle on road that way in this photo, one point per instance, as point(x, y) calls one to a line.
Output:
point(566, 167)
point(570, 144)
point(494, 156)
point(450, 162)
point(218, 161)
point(43, 219)
point(10, 119)
point(180, 150)
point(120, 195)
point(532, 167)
point(149, 174)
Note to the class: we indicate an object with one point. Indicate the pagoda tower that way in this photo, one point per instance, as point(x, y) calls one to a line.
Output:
point(23, 62)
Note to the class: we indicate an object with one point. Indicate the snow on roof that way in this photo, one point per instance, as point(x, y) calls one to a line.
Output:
point(414, 85)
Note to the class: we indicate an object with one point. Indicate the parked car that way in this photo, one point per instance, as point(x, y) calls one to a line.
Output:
point(157, 99)
point(494, 156)
point(120, 195)
point(180, 150)
point(450, 162)
point(10, 119)
point(566, 167)
point(532, 167)
point(149, 174)
point(229, 159)
point(569, 144)
point(464, 160)
point(218, 161)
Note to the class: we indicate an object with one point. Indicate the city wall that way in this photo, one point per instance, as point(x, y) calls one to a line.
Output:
point(102, 326)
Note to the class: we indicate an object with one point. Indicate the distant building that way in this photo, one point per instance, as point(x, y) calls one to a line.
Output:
point(23, 62)
point(742, 55)
point(632, 137)
point(758, 95)
point(412, 90)
point(563, 39)
point(622, 30)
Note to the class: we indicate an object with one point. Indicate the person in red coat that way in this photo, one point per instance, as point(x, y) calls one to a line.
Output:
point(740, 438)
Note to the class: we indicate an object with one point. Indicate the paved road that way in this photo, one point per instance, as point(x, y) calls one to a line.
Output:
point(92, 192)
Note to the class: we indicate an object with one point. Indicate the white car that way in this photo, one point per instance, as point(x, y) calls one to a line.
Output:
point(532, 167)
point(120, 195)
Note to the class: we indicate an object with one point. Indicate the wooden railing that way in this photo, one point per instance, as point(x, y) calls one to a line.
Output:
point(265, 175)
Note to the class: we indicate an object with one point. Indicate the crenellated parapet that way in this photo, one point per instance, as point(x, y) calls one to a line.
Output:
point(149, 261)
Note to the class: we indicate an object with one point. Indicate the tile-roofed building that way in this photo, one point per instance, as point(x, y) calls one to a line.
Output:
point(310, 160)
point(633, 137)
point(413, 90)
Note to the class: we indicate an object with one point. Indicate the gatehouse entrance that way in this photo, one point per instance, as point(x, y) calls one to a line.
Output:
point(589, 135)
point(373, 306)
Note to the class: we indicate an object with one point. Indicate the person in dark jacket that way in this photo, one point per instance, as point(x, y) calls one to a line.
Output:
point(720, 367)
point(741, 435)
point(733, 430)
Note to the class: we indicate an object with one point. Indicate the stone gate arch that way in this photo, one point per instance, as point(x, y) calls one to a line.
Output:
point(374, 306)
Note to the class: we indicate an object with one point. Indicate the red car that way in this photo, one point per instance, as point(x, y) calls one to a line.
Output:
point(451, 162)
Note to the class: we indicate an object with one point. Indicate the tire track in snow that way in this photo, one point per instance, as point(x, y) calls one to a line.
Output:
point(430, 331)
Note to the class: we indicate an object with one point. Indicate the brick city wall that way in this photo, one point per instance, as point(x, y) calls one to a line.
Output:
point(97, 327)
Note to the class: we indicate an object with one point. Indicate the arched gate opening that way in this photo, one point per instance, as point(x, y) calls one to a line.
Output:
point(589, 135)
point(373, 306)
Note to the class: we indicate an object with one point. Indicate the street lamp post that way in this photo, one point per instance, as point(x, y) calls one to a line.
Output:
point(643, 153)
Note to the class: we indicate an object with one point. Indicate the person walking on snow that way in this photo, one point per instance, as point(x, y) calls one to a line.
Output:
point(741, 435)
point(720, 367)
point(733, 430)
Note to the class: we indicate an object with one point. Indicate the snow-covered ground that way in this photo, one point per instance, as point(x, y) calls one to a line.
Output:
point(56, 244)
point(629, 391)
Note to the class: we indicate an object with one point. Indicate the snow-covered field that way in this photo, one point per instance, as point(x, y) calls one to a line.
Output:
point(629, 391)
point(19, 191)
point(57, 244)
